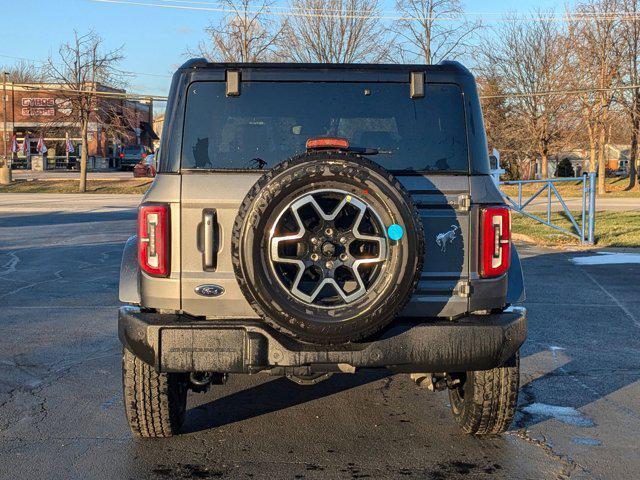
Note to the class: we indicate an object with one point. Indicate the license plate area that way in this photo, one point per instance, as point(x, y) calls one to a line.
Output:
point(202, 350)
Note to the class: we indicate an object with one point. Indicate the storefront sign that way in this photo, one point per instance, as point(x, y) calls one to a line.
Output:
point(38, 102)
point(45, 107)
point(38, 107)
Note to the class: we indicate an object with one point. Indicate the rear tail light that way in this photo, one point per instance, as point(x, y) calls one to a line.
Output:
point(122, 155)
point(495, 241)
point(153, 239)
point(144, 155)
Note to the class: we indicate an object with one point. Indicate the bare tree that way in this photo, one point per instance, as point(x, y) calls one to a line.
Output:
point(246, 34)
point(630, 67)
point(433, 30)
point(81, 67)
point(23, 72)
point(335, 31)
point(503, 127)
point(119, 117)
point(529, 58)
point(594, 29)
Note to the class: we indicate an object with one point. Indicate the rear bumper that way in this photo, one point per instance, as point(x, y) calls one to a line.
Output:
point(176, 343)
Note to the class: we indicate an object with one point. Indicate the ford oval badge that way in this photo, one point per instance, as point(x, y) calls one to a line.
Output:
point(209, 290)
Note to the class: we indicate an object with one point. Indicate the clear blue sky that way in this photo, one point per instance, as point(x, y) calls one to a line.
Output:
point(154, 40)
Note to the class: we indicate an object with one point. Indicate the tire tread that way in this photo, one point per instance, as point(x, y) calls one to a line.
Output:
point(492, 407)
point(154, 402)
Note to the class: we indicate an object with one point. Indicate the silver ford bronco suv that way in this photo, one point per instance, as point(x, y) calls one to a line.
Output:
point(316, 219)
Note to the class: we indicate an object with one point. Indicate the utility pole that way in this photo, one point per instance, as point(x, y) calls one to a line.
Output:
point(5, 168)
point(66, 147)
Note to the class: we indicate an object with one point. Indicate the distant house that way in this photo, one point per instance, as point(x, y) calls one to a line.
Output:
point(579, 159)
point(616, 158)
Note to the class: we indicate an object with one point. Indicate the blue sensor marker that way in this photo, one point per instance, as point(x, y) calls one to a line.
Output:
point(395, 232)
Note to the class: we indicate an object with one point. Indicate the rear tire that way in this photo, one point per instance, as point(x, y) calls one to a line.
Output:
point(155, 403)
point(486, 400)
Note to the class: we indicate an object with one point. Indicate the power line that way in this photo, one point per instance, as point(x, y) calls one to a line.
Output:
point(577, 91)
point(524, 15)
point(125, 72)
point(193, 5)
point(160, 98)
point(26, 87)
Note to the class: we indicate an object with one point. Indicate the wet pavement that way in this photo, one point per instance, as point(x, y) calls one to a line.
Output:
point(61, 410)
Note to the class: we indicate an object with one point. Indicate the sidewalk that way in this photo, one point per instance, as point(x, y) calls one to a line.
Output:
point(575, 204)
point(70, 175)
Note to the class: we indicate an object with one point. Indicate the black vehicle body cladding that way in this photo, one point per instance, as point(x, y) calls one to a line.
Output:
point(198, 70)
point(515, 288)
point(129, 287)
point(179, 343)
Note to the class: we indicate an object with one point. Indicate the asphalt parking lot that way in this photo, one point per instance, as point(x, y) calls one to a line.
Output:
point(61, 410)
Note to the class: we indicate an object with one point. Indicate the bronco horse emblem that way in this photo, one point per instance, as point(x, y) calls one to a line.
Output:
point(448, 237)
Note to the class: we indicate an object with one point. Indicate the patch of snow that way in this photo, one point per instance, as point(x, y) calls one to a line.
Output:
point(567, 415)
point(607, 258)
point(553, 348)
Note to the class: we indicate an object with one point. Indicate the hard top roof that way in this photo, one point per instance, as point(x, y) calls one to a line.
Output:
point(443, 69)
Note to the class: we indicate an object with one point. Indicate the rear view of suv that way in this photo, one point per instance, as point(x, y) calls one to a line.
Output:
point(131, 155)
point(307, 220)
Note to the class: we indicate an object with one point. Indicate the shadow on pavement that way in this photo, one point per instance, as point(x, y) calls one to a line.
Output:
point(589, 342)
point(65, 218)
point(271, 396)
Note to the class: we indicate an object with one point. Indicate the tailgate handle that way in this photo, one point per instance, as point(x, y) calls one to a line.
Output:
point(210, 249)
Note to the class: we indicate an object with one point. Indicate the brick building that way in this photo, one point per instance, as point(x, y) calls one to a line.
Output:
point(44, 110)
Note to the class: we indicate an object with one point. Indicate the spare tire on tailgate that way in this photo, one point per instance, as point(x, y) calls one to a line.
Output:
point(328, 247)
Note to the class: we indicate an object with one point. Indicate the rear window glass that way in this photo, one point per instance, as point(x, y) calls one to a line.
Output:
point(270, 122)
point(132, 150)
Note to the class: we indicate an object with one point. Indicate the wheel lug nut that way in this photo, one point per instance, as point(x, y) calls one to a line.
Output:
point(329, 231)
point(315, 257)
point(343, 240)
point(344, 257)
point(329, 264)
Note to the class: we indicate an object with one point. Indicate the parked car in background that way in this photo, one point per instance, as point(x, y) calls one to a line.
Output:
point(146, 167)
point(131, 155)
point(618, 172)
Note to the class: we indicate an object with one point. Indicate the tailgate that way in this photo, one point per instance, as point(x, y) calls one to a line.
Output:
point(443, 202)
point(210, 200)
